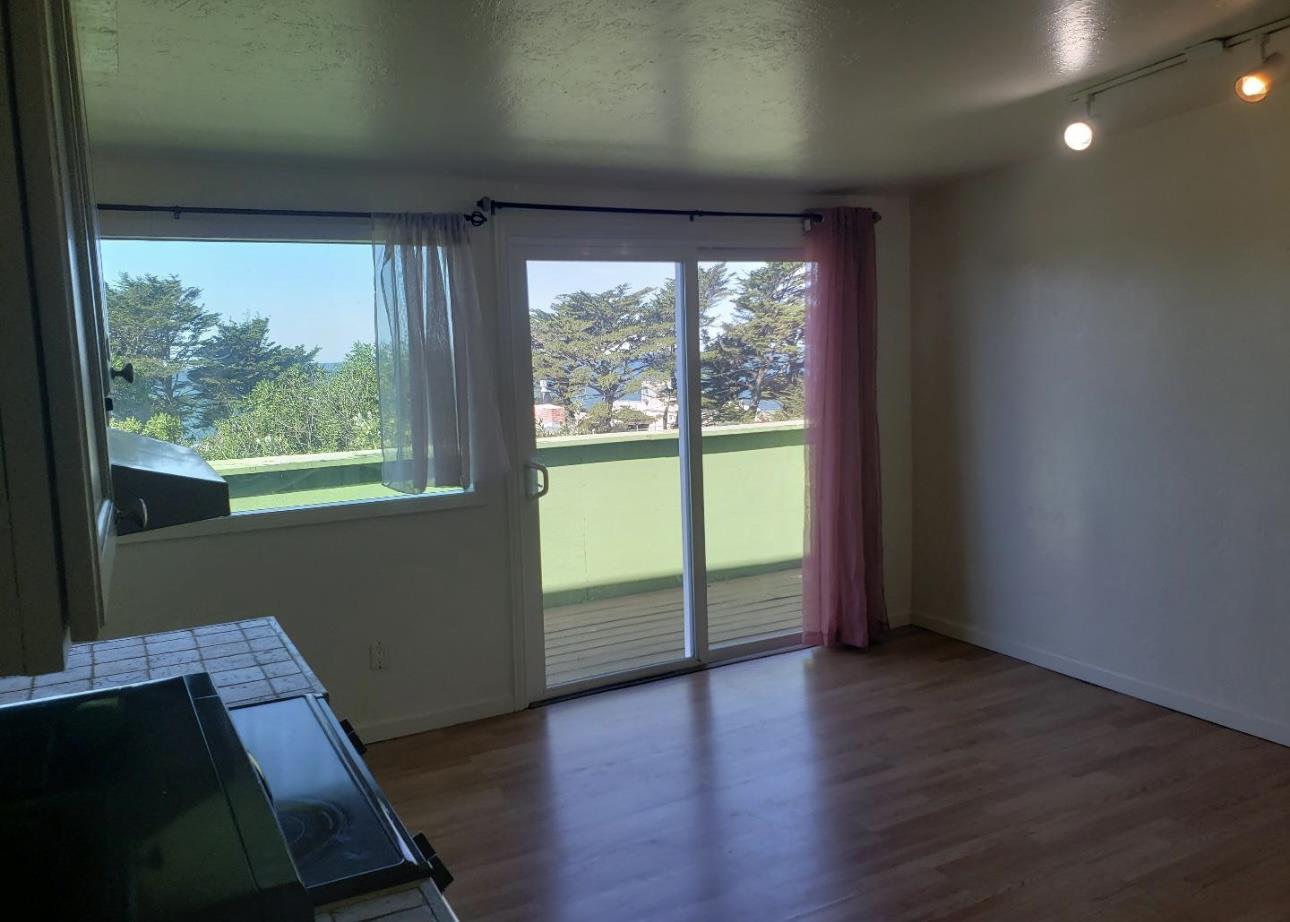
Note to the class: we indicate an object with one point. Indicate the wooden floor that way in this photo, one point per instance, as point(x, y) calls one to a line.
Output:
point(924, 779)
point(629, 632)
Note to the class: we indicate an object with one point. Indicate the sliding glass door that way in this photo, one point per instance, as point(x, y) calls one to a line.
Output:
point(603, 344)
point(660, 412)
point(751, 377)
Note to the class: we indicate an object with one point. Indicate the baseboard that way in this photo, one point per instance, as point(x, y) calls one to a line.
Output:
point(1172, 698)
point(391, 727)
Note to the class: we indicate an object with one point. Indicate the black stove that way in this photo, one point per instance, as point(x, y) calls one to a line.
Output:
point(138, 803)
point(343, 835)
point(310, 827)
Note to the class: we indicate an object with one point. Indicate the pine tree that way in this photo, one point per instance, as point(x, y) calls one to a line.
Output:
point(714, 283)
point(596, 345)
point(158, 324)
point(232, 362)
point(760, 354)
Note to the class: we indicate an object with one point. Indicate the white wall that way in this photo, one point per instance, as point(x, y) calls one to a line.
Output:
point(443, 608)
point(1102, 412)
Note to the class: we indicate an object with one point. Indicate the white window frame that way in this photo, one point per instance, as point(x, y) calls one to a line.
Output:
point(223, 228)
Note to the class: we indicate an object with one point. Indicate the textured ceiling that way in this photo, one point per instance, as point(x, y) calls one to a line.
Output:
point(812, 94)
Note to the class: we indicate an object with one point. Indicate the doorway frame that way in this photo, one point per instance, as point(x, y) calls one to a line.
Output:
point(520, 237)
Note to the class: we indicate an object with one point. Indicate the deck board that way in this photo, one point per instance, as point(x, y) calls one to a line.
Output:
point(630, 632)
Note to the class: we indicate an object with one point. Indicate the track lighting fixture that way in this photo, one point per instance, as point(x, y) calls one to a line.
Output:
point(1253, 85)
point(1079, 133)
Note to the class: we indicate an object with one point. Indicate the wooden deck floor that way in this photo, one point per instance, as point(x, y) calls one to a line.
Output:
point(630, 632)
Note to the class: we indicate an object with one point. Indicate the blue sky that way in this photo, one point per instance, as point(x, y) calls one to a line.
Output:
point(320, 294)
point(314, 294)
point(550, 279)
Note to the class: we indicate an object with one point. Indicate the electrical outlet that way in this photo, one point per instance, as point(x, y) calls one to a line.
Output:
point(376, 656)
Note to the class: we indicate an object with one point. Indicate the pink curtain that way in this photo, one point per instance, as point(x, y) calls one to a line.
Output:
point(843, 602)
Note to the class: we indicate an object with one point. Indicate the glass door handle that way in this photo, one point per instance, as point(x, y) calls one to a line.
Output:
point(544, 486)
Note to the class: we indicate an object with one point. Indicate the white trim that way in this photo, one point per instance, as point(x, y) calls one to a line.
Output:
point(899, 619)
point(627, 235)
point(1172, 698)
point(300, 516)
point(611, 679)
point(690, 446)
point(393, 727)
point(135, 225)
point(116, 225)
point(518, 441)
point(751, 254)
point(737, 652)
point(526, 586)
point(726, 656)
point(409, 724)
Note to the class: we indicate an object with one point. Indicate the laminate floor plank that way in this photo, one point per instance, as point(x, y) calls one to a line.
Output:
point(921, 779)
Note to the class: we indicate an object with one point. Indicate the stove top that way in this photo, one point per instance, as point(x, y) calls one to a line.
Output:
point(137, 803)
point(310, 827)
point(342, 833)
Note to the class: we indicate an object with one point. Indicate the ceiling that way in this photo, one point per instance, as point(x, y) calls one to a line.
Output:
point(818, 95)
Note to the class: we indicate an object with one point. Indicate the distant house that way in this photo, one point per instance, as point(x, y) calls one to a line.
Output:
point(550, 416)
point(654, 401)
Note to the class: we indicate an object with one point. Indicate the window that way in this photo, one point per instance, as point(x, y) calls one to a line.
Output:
point(610, 388)
point(752, 317)
point(259, 356)
point(752, 370)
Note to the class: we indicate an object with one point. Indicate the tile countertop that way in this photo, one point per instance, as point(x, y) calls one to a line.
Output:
point(249, 661)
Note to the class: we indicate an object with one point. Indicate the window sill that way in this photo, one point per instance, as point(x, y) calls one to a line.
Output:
point(300, 516)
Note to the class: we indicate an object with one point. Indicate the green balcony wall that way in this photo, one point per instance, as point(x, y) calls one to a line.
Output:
point(611, 524)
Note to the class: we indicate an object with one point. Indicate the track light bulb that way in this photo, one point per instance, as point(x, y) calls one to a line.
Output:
point(1078, 135)
point(1253, 86)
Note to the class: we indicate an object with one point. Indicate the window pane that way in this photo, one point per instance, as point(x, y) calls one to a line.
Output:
point(604, 410)
point(257, 355)
point(752, 378)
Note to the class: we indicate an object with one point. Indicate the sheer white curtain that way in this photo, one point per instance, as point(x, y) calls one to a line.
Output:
point(439, 417)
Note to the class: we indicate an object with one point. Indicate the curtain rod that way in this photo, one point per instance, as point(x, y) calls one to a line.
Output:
point(476, 218)
point(492, 206)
